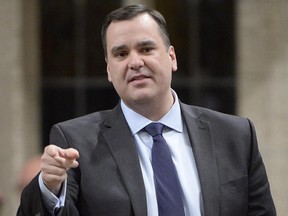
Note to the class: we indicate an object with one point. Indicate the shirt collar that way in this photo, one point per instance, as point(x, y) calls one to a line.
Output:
point(137, 122)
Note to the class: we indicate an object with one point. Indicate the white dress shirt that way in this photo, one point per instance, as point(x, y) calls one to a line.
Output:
point(176, 136)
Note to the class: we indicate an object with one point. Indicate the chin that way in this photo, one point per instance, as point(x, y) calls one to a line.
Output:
point(140, 99)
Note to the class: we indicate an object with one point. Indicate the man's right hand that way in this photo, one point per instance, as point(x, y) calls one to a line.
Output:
point(55, 162)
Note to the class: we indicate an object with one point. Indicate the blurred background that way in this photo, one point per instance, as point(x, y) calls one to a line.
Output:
point(232, 57)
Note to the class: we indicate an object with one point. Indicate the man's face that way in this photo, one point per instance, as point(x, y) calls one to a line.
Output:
point(138, 63)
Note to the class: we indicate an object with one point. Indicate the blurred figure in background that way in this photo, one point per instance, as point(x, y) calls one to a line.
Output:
point(30, 169)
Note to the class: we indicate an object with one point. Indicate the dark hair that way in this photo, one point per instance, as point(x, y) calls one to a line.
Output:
point(129, 12)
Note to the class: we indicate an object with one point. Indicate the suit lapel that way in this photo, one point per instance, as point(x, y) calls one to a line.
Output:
point(122, 146)
point(202, 145)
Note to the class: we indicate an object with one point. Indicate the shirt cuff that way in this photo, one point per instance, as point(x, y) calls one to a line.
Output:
point(52, 202)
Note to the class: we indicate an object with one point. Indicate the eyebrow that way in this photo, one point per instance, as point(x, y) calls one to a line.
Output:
point(118, 48)
point(140, 44)
point(146, 43)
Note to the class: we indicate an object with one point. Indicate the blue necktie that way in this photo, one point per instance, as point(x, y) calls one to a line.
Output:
point(165, 176)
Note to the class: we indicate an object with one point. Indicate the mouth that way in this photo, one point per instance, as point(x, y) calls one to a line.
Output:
point(138, 77)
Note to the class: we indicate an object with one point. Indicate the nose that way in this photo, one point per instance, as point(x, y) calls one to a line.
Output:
point(135, 61)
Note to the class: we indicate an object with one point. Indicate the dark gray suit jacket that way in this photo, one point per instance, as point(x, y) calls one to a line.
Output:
point(108, 181)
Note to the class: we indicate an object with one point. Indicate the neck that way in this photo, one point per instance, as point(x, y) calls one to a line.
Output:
point(154, 109)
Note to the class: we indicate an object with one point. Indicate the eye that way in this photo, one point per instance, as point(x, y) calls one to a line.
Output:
point(146, 49)
point(120, 54)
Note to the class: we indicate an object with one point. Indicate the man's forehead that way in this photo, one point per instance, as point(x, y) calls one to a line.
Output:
point(138, 25)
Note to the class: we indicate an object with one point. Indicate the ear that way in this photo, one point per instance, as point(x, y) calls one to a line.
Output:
point(108, 72)
point(173, 58)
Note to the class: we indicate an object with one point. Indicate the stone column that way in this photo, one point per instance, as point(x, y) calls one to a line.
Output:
point(263, 85)
point(19, 92)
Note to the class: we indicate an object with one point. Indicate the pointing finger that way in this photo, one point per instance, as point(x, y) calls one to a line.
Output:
point(70, 154)
point(65, 158)
point(66, 163)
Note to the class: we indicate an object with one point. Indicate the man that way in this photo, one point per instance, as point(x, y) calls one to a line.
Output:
point(103, 163)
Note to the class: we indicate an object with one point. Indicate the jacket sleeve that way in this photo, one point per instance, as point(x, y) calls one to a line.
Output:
point(31, 201)
point(260, 198)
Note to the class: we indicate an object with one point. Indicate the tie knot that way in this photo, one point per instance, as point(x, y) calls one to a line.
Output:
point(154, 129)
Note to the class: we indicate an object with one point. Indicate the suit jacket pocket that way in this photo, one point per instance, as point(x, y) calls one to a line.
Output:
point(235, 184)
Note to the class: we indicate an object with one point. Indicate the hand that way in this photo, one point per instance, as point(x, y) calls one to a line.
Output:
point(55, 162)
